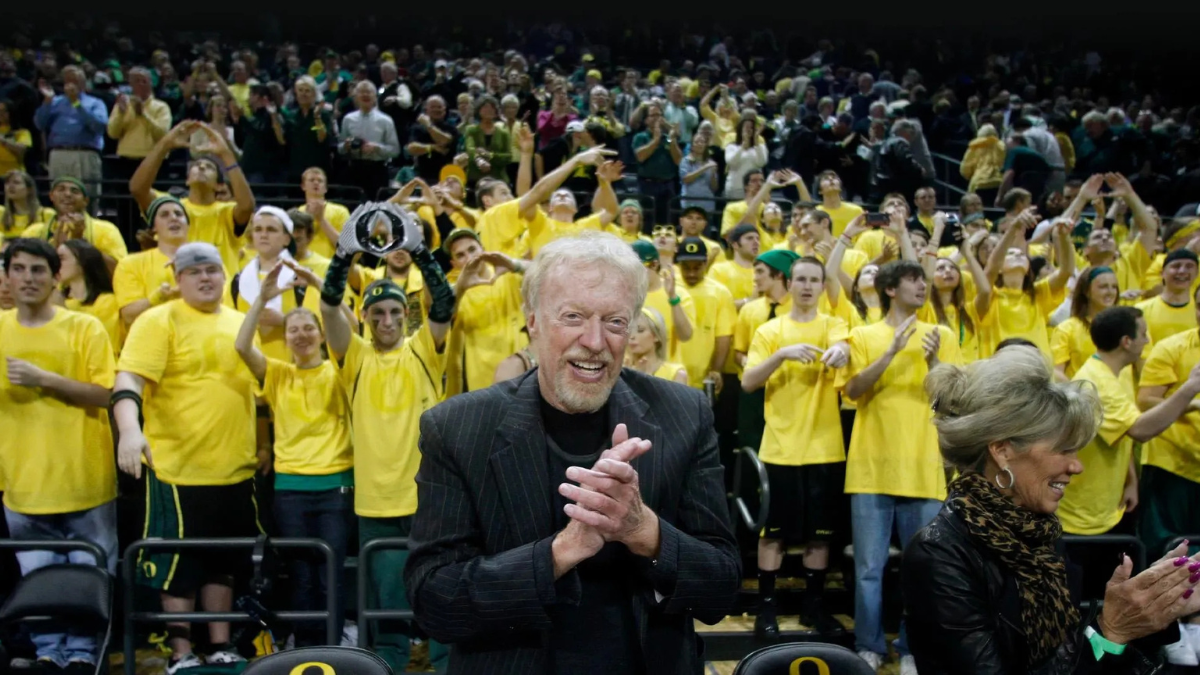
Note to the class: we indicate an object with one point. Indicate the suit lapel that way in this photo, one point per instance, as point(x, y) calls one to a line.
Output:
point(520, 465)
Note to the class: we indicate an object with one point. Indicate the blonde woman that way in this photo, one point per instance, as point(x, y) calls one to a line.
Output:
point(21, 206)
point(647, 350)
point(983, 163)
point(314, 466)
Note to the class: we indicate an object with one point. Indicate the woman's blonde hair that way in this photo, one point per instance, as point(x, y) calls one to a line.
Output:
point(1009, 397)
point(986, 131)
point(658, 329)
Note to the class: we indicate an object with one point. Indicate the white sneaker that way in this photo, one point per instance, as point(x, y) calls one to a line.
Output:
point(225, 657)
point(908, 665)
point(874, 660)
point(1191, 633)
point(1182, 653)
point(350, 634)
point(188, 661)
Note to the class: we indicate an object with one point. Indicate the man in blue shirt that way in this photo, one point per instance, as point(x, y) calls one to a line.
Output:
point(74, 123)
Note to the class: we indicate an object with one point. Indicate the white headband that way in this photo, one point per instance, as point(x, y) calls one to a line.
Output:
point(278, 213)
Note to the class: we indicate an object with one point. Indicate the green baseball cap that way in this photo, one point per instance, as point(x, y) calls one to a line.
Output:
point(645, 250)
point(455, 235)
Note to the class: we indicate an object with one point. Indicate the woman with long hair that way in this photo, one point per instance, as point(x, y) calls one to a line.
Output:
point(1024, 303)
point(314, 465)
point(1096, 289)
point(747, 152)
point(222, 118)
point(986, 589)
point(647, 350)
point(86, 286)
point(951, 302)
point(21, 206)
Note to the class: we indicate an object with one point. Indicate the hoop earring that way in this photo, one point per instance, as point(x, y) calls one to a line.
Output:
point(1011, 479)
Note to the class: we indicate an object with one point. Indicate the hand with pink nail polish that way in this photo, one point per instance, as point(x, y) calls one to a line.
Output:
point(1138, 606)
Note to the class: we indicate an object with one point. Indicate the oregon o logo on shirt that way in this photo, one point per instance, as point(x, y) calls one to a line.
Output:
point(321, 669)
point(794, 669)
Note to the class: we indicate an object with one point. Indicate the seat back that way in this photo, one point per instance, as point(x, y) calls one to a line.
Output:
point(77, 594)
point(320, 661)
point(803, 658)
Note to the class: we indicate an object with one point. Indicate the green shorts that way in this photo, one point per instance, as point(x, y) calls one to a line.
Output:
point(196, 511)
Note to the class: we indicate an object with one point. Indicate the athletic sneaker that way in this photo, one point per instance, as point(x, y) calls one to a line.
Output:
point(350, 634)
point(1181, 653)
point(908, 665)
point(187, 661)
point(874, 660)
point(225, 657)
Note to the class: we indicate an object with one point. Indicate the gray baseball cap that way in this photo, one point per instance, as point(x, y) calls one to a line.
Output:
point(196, 253)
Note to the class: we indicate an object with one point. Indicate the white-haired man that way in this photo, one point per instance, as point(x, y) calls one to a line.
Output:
point(368, 139)
point(541, 546)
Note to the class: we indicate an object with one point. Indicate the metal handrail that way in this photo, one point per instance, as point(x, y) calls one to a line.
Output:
point(365, 615)
point(764, 490)
point(58, 545)
point(1139, 548)
point(130, 569)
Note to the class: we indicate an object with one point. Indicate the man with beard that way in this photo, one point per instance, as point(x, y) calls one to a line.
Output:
point(523, 570)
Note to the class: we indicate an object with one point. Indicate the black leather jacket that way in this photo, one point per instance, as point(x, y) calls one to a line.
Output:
point(963, 613)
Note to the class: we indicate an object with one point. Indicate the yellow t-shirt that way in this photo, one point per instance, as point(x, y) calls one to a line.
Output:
point(658, 300)
point(55, 457)
point(105, 309)
point(312, 418)
point(841, 216)
point(22, 221)
point(214, 224)
point(199, 395)
point(1163, 320)
point(668, 370)
point(1071, 343)
point(388, 393)
point(337, 215)
point(752, 315)
point(894, 446)
point(715, 317)
point(803, 425)
point(739, 280)
point(967, 336)
point(544, 230)
point(99, 233)
point(316, 262)
point(1092, 503)
point(1131, 267)
point(500, 228)
point(1019, 316)
point(871, 243)
point(274, 342)
point(1178, 448)
point(628, 237)
point(487, 329)
point(9, 161)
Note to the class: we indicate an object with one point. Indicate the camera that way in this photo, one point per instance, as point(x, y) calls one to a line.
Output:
point(356, 145)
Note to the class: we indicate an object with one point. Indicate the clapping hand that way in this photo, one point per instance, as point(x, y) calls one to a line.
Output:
point(931, 343)
point(802, 353)
point(608, 499)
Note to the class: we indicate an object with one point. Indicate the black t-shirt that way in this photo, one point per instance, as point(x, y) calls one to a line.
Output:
point(604, 615)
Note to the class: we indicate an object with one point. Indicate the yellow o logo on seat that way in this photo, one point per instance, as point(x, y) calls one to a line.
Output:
point(302, 669)
point(794, 669)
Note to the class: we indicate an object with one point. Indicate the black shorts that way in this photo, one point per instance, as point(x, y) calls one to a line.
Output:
point(804, 501)
point(196, 511)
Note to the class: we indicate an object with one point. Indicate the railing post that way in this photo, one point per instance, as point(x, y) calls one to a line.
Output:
point(366, 615)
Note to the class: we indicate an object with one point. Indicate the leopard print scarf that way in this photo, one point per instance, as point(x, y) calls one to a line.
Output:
point(1024, 542)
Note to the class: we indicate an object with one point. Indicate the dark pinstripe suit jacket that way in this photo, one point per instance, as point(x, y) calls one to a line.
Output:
point(480, 575)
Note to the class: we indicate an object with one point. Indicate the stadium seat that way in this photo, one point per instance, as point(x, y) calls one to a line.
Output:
point(790, 659)
point(320, 661)
point(78, 595)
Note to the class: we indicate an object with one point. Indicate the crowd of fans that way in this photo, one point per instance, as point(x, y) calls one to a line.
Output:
point(786, 213)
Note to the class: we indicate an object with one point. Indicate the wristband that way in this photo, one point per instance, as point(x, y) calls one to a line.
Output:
point(845, 240)
point(674, 301)
point(1102, 645)
point(231, 167)
point(121, 395)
